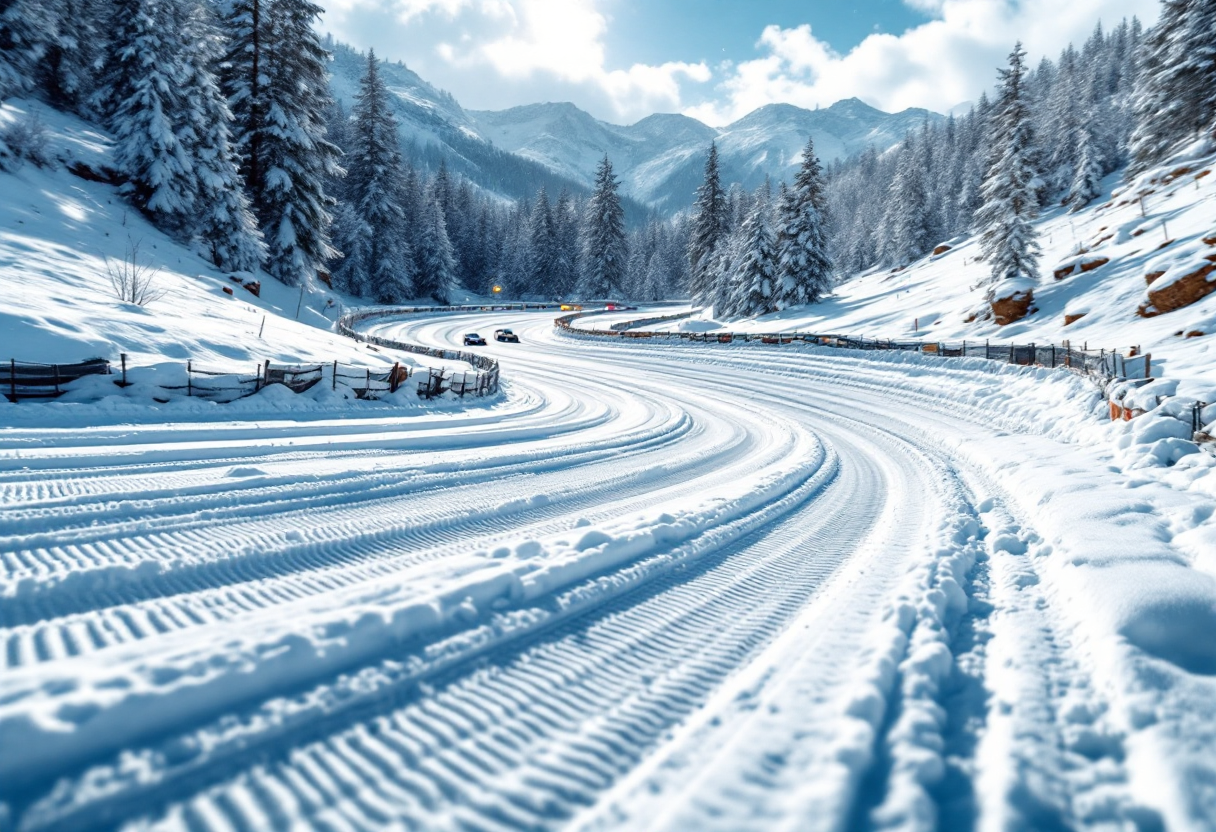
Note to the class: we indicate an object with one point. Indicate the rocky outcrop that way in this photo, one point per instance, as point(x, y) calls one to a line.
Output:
point(1072, 319)
point(1013, 307)
point(1179, 293)
point(1079, 265)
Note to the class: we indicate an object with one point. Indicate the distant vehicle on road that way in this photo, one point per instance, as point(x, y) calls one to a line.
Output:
point(472, 339)
point(506, 335)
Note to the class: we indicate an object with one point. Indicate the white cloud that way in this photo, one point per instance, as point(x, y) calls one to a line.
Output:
point(500, 53)
point(935, 65)
point(491, 52)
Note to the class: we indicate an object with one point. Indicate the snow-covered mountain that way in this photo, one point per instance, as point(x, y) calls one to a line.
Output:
point(659, 159)
point(434, 127)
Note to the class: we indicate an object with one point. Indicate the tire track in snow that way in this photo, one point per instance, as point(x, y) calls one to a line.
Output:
point(545, 710)
point(573, 705)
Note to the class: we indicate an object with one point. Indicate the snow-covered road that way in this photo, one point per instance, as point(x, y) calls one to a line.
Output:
point(656, 586)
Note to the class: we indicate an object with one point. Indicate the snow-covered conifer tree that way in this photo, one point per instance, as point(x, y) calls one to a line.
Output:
point(710, 225)
point(384, 265)
point(437, 263)
point(906, 223)
point(605, 251)
point(1086, 179)
point(542, 249)
point(27, 29)
point(757, 270)
point(278, 90)
point(1007, 235)
point(68, 70)
point(1174, 98)
point(566, 227)
point(222, 220)
point(150, 113)
point(804, 270)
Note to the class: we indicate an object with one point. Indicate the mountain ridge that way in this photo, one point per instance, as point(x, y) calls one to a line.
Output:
point(659, 159)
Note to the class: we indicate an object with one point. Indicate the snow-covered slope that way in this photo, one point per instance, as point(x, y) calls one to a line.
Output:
point(1102, 256)
point(424, 113)
point(660, 159)
point(57, 231)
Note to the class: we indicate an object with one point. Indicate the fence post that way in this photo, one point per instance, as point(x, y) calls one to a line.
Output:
point(55, 370)
point(189, 379)
point(986, 353)
point(1011, 353)
point(1053, 356)
point(12, 377)
point(124, 369)
point(335, 376)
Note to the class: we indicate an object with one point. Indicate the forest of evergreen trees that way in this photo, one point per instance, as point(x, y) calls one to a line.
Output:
point(228, 137)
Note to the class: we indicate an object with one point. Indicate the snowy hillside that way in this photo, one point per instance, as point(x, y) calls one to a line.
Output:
point(1093, 279)
point(61, 233)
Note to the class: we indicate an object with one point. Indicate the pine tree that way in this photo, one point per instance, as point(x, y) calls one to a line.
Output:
point(1086, 181)
point(542, 249)
point(709, 229)
point(69, 67)
point(726, 275)
point(222, 219)
point(906, 223)
point(566, 226)
point(150, 108)
point(757, 282)
point(437, 263)
point(804, 267)
point(1174, 99)
point(244, 80)
point(605, 252)
point(28, 28)
point(1007, 236)
point(383, 262)
point(278, 90)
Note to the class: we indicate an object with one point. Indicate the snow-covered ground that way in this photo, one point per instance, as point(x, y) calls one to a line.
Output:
point(655, 586)
point(59, 234)
point(648, 586)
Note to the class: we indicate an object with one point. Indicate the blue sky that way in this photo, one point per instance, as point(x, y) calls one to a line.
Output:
point(715, 60)
point(652, 32)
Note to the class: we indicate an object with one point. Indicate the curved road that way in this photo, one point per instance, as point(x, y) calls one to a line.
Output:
point(652, 586)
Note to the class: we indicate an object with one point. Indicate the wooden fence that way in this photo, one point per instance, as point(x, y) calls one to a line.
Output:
point(1101, 363)
point(28, 380)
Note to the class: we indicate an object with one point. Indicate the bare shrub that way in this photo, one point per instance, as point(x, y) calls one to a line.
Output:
point(26, 138)
point(132, 281)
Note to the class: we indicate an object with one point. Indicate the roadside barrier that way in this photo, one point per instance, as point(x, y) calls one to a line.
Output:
point(27, 380)
point(485, 380)
point(1103, 364)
